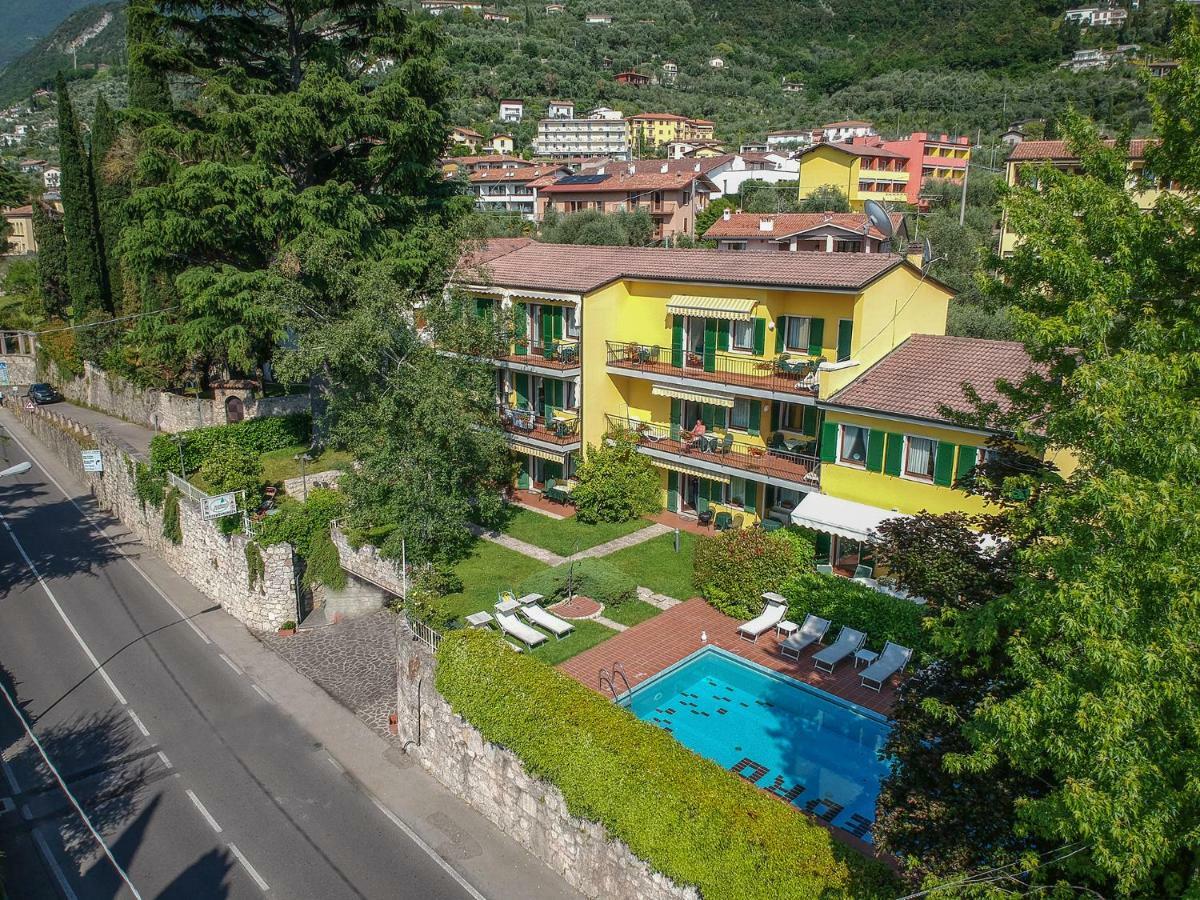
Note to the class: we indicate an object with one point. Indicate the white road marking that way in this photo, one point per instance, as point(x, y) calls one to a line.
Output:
point(337, 765)
point(262, 693)
point(417, 839)
point(121, 550)
point(26, 812)
point(166, 762)
point(229, 662)
point(258, 879)
point(138, 723)
point(212, 823)
point(63, 884)
point(10, 776)
point(66, 790)
point(45, 587)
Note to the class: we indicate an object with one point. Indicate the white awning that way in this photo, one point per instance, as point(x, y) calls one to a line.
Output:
point(665, 390)
point(737, 308)
point(844, 518)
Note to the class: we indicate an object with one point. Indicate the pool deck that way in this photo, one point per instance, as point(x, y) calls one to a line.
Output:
point(647, 648)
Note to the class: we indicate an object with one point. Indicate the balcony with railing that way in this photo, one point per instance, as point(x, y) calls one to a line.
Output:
point(562, 427)
point(561, 354)
point(724, 450)
point(787, 373)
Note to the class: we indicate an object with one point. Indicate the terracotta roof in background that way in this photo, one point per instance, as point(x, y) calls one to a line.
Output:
point(786, 224)
point(845, 124)
point(524, 173)
point(928, 371)
point(18, 211)
point(654, 166)
point(620, 181)
point(481, 253)
point(486, 157)
point(1058, 150)
point(471, 132)
point(578, 268)
point(857, 150)
point(670, 116)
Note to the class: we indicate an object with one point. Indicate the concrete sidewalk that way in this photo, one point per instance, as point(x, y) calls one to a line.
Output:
point(136, 436)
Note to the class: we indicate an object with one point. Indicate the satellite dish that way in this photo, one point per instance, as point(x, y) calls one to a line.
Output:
point(926, 254)
point(878, 216)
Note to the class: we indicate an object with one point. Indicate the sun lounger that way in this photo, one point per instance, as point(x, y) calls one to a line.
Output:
point(771, 616)
point(552, 623)
point(890, 661)
point(812, 631)
point(514, 627)
point(848, 641)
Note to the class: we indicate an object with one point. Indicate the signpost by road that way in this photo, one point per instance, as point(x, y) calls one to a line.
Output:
point(30, 405)
point(93, 460)
point(219, 506)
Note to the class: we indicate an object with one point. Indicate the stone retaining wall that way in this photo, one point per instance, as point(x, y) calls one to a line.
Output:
point(213, 562)
point(494, 781)
point(367, 564)
point(22, 370)
point(294, 487)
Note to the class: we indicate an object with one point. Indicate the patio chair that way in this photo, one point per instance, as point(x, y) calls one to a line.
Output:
point(811, 631)
point(771, 616)
point(723, 521)
point(552, 623)
point(848, 641)
point(514, 627)
point(861, 571)
point(739, 522)
point(568, 353)
point(553, 492)
point(777, 441)
point(891, 660)
point(824, 569)
point(725, 446)
point(770, 524)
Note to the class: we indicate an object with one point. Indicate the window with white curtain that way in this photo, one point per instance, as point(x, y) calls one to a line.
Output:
point(919, 457)
point(854, 445)
point(739, 416)
point(743, 335)
point(795, 337)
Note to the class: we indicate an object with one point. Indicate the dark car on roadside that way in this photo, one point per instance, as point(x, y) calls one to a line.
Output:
point(44, 393)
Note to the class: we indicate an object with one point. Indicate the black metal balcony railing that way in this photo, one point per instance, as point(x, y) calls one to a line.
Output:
point(787, 372)
point(560, 353)
point(722, 448)
point(557, 430)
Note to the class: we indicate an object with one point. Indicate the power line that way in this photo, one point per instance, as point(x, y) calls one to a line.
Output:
point(106, 321)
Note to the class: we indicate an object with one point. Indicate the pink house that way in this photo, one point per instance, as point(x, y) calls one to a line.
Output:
point(931, 156)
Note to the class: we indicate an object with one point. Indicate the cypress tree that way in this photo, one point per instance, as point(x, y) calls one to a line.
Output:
point(109, 196)
point(51, 260)
point(85, 267)
point(148, 89)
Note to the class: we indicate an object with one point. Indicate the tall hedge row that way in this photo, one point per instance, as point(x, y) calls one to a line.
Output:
point(254, 435)
point(683, 814)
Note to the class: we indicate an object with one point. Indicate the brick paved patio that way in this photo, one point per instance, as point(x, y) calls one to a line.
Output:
point(657, 643)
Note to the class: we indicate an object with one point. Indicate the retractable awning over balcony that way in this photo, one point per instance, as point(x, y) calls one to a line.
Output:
point(662, 390)
point(845, 518)
point(539, 452)
point(738, 308)
point(689, 470)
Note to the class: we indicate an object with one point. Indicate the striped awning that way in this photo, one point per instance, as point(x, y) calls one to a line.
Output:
point(689, 470)
point(711, 307)
point(662, 390)
point(540, 453)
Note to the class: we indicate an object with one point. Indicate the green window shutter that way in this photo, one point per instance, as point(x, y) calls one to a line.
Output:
point(816, 337)
point(768, 496)
point(552, 470)
point(829, 438)
point(673, 491)
point(751, 498)
point(810, 420)
point(775, 406)
point(875, 439)
point(710, 345)
point(523, 479)
point(520, 329)
point(676, 415)
point(780, 331)
point(701, 495)
point(845, 335)
point(483, 307)
point(892, 457)
point(723, 337)
point(967, 458)
point(943, 464)
point(521, 386)
point(558, 322)
point(755, 427)
point(823, 546)
point(547, 328)
point(760, 337)
point(677, 342)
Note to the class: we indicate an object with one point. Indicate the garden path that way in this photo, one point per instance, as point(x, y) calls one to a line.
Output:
point(527, 549)
point(622, 542)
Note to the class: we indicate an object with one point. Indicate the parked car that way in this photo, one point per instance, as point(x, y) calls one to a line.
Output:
point(44, 393)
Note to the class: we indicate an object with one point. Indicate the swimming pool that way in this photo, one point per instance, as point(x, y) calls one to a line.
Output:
point(809, 748)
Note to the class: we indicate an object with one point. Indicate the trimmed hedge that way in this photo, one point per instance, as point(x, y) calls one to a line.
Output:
point(684, 815)
point(255, 436)
point(593, 578)
point(843, 602)
point(734, 568)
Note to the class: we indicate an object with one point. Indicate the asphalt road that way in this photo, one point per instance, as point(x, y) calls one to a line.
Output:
point(197, 783)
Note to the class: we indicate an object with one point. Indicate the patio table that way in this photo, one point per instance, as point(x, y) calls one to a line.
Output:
point(479, 619)
point(786, 628)
point(865, 656)
point(507, 606)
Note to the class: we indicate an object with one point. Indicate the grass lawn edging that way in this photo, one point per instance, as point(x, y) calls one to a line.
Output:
point(685, 816)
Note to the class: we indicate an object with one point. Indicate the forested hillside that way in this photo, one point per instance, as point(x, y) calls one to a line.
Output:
point(25, 22)
point(86, 40)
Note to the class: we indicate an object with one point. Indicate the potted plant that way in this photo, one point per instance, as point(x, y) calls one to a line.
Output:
point(287, 629)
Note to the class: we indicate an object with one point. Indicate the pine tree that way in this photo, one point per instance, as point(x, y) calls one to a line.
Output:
point(148, 88)
point(51, 261)
point(85, 267)
point(109, 196)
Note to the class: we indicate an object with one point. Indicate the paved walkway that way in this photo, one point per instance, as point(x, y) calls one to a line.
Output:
point(545, 556)
point(621, 543)
point(136, 436)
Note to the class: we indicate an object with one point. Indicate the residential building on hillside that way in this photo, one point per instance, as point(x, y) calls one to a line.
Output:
point(1161, 68)
point(795, 137)
point(461, 136)
point(637, 79)
point(20, 240)
point(670, 72)
point(1142, 187)
point(836, 132)
point(1099, 58)
point(563, 138)
point(861, 171)
point(598, 19)
point(512, 110)
point(554, 9)
point(490, 15)
point(715, 62)
point(823, 232)
point(560, 109)
point(651, 130)
point(1097, 16)
point(731, 170)
point(1014, 135)
point(792, 87)
point(501, 143)
point(452, 165)
point(438, 7)
point(512, 191)
point(930, 156)
point(31, 166)
point(605, 112)
point(695, 149)
point(672, 193)
point(52, 178)
point(754, 147)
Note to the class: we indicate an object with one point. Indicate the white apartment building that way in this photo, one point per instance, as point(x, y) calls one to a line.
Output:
point(840, 132)
point(560, 109)
point(512, 110)
point(1097, 16)
point(512, 191)
point(605, 112)
point(564, 138)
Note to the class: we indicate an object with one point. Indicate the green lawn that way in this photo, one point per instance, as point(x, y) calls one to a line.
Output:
point(587, 634)
point(631, 612)
point(279, 464)
point(488, 570)
point(565, 536)
point(656, 565)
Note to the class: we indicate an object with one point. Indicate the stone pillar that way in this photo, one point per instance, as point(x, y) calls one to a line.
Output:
point(414, 685)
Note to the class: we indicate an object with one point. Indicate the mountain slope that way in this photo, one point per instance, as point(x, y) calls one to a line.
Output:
point(88, 38)
point(24, 22)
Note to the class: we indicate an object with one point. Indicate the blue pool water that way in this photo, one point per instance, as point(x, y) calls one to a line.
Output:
point(802, 744)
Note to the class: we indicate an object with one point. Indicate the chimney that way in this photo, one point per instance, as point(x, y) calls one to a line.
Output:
point(727, 215)
point(696, 168)
point(662, 170)
point(632, 169)
point(766, 224)
point(600, 171)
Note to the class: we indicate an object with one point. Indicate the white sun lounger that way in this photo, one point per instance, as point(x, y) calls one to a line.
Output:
point(848, 641)
point(513, 626)
point(811, 632)
point(891, 660)
point(771, 616)
point(552, 623)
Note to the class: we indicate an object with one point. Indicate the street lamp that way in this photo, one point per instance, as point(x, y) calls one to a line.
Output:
point(303, 458)
point(18, 469)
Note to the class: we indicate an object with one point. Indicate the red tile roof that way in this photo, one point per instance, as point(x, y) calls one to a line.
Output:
point(928, 371)
point(787, 224)
point(483, 252)
point(579, 269)
point(1058, 151)
point(680, 174)
point(487, 157)
point(857, 150)
point(849, 123)
point(524, 173)
point(18, 211)
point(669, 116)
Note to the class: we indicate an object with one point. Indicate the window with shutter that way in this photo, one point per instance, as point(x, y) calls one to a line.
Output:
point(943, 469)
point(760, 336)
point(968, 458)
point(676, 413)
point(710, 345)
point(521, 327)
point(677, 342)
point(844, 339)
point(875, 442)
point(893, 458)
point(816, 337)
point(780, 329)
point(755, 425)
point(521, 386)
point(829, 442)
point(673, 491)
point(809, 425)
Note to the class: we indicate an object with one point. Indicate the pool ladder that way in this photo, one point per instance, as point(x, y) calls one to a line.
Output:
point(609, 677)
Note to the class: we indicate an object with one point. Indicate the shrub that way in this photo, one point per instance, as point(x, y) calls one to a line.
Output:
point(684, 815)
point(323, 565)
point(230, 467)
point(425, 606)
point(149, 487)
point(306, 527)
point(734, 568)
point(255, 567)
point(171, 528)
point(438, 580)
point(616, 483)
point(256, 436)
point(593, 578)
point(843, 602)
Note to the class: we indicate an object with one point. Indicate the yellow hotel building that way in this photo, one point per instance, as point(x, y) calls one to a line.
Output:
point(861, 171)
point(818, 378)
